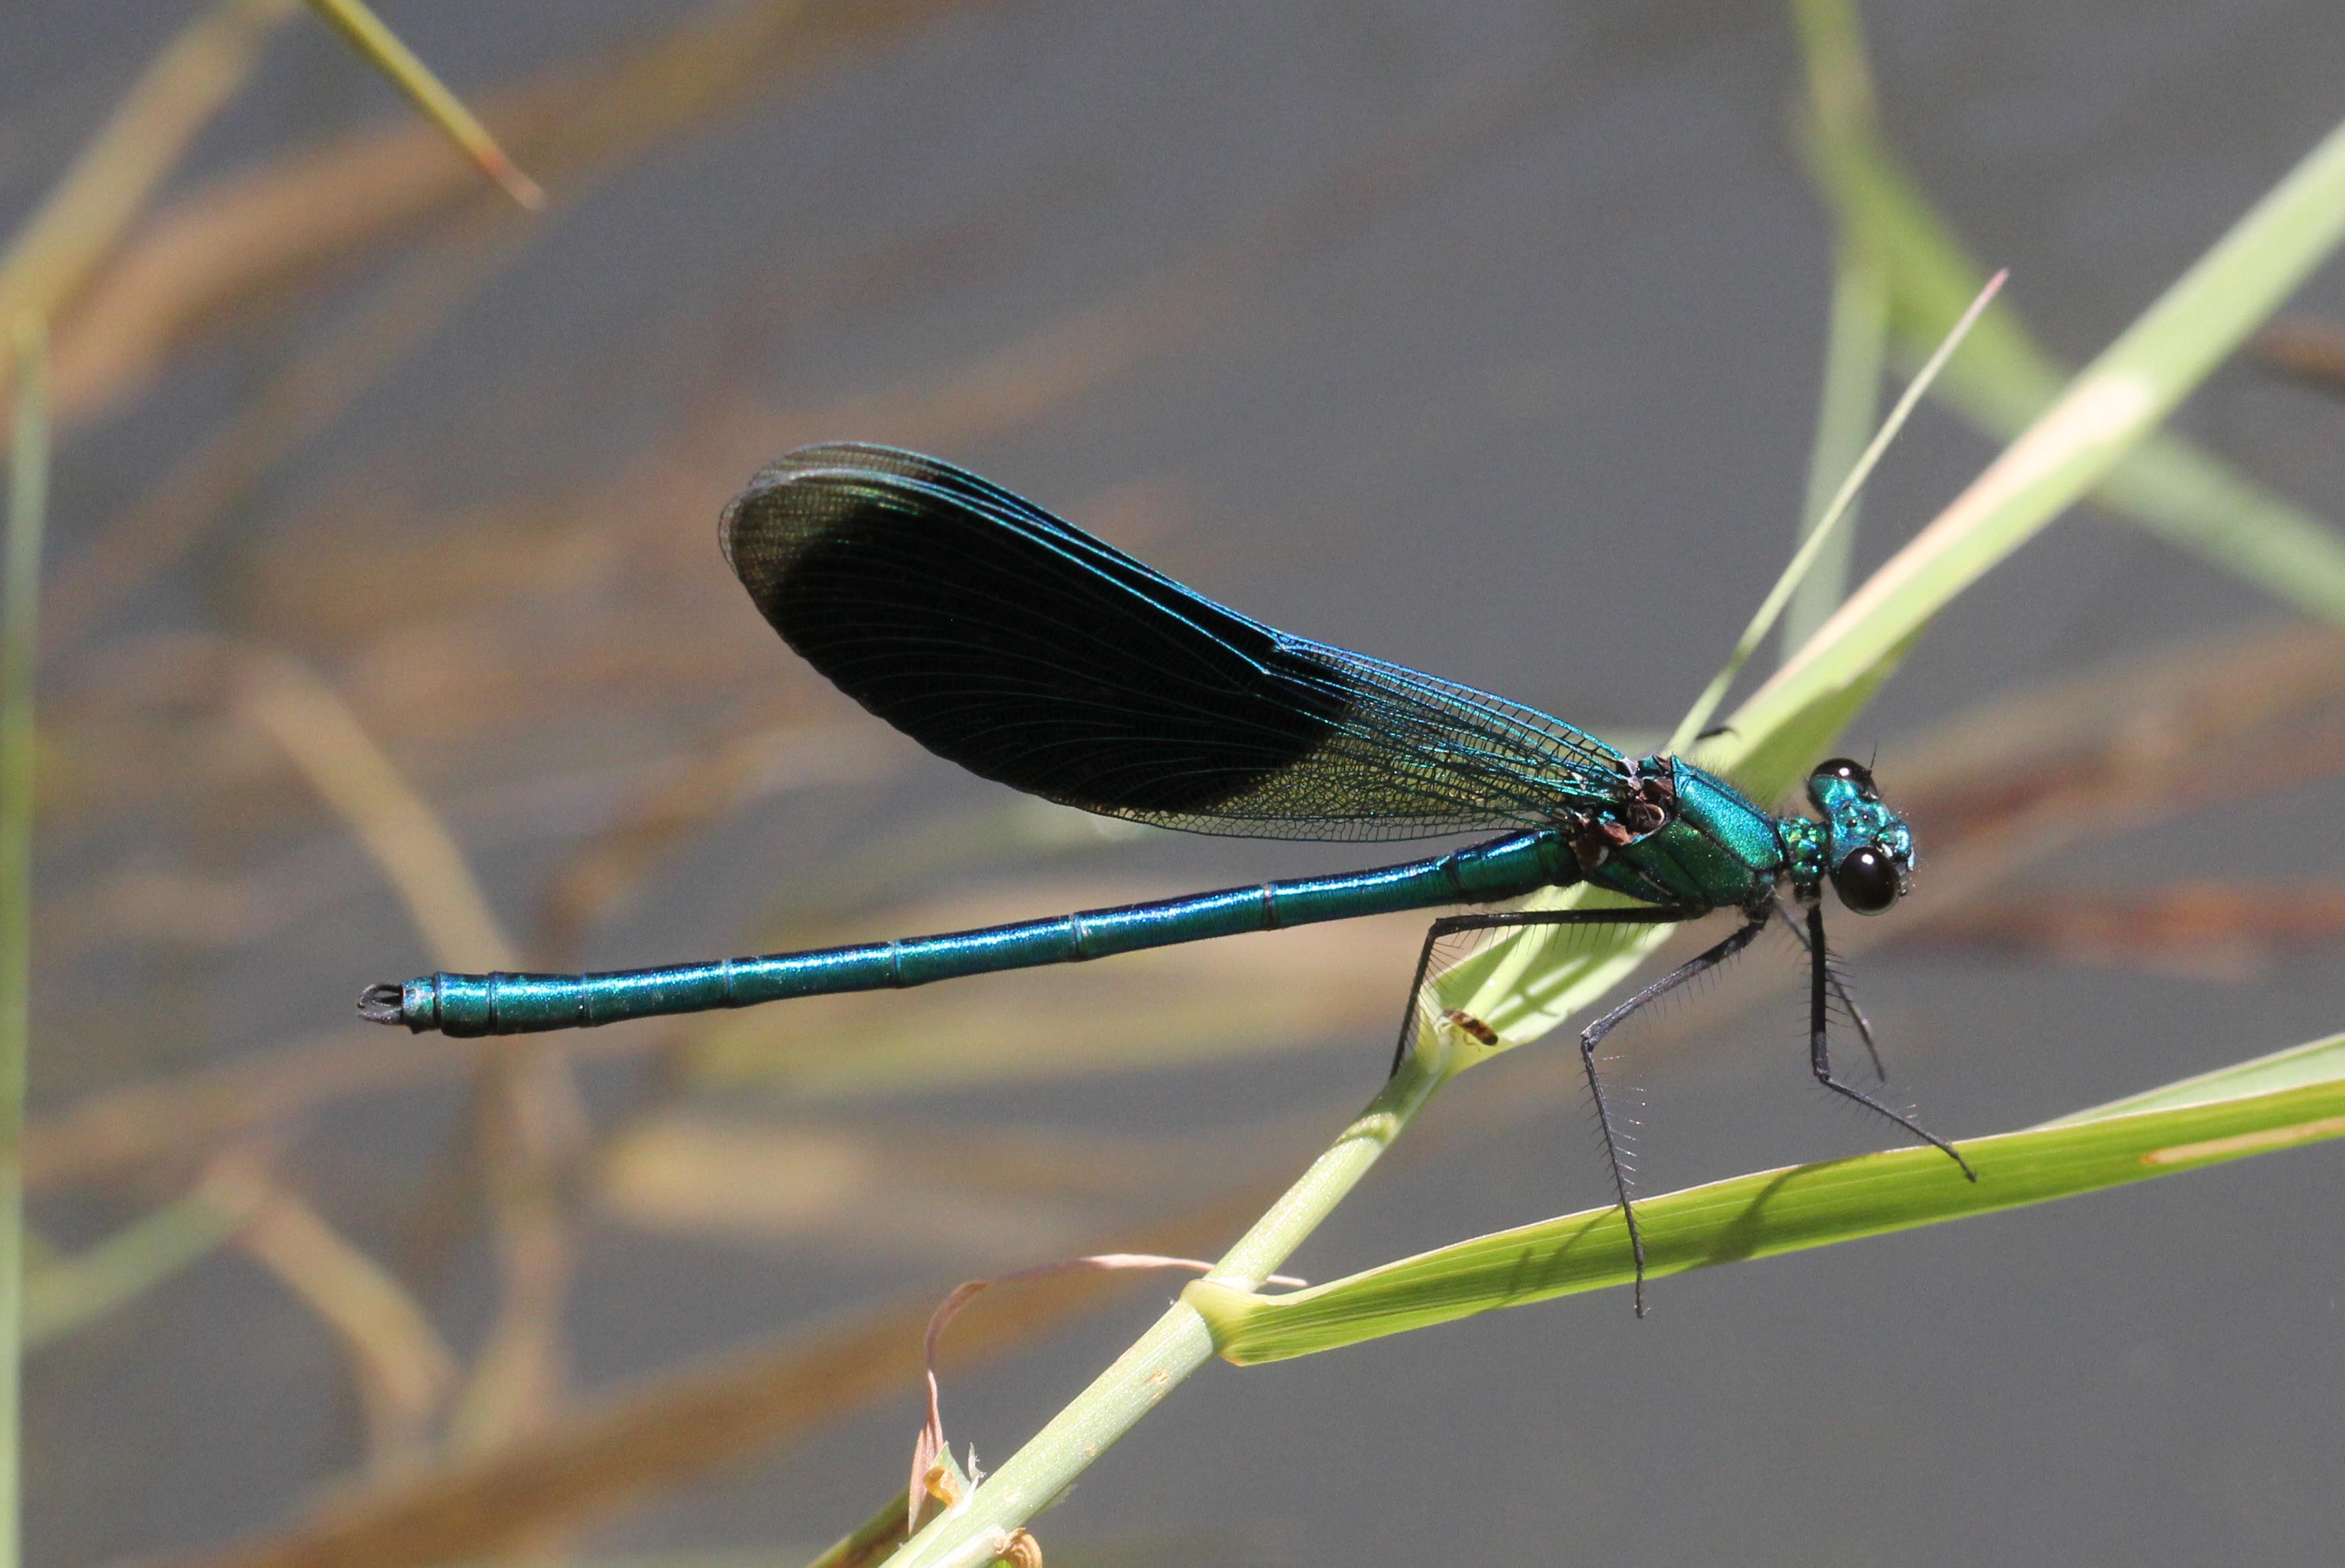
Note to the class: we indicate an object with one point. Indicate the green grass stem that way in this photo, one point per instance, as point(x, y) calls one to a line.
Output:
point(1841, 507)
point(62, 1294)
point(2115, 401)
point(20, 601)
point(1856, 344)
point(2105, 411)
point(1856, 348)
point(2004, 379)
point(1179, 1342)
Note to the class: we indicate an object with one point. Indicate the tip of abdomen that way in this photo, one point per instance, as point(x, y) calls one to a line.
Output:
point(385, 1002)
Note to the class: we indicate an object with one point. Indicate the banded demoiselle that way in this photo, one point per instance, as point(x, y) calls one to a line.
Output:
point(1029, 652)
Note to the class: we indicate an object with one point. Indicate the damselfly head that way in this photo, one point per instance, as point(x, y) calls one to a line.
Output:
point(1868, 848)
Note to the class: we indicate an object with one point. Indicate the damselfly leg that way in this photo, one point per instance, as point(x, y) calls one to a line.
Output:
point(1820, 984)
point(1450, 925)
point(1841, 993)
point(1593, 1035)
point(1824, 985)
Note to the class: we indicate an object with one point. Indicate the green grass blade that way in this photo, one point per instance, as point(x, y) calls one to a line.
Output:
point(62, 1295)
point(1856, 347)
point(2296, 1068)
point(28, 495)
point(1827, 528)
point(1775, 1212)
point(2115, 401)
point(2004, 379)
point(1525, 988)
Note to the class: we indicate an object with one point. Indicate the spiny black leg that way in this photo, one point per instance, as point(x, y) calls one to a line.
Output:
point(1455, 924)
point(1820, 1052)
point(1593, 1035)
point(1840, 989)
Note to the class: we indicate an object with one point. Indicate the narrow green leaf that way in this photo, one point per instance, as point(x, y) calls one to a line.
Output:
point(1773, 1212)
point(1525, 988)
point(2296, 1068)
point(66, 1293)
point(1841, 507)
point(20, 643)
point(2116, 400)
point(2004, 379)
point(1856, 347)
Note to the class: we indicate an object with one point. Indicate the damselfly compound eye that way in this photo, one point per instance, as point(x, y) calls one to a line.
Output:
point(1854, 772)
point(1866, 881)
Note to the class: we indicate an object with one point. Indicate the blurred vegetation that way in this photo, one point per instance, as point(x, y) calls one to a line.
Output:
point(577, 680)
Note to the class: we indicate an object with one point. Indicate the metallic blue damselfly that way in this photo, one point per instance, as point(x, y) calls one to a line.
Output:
point(1029, 652)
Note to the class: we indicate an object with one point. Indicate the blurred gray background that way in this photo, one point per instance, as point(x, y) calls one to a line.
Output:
point(1483, 337)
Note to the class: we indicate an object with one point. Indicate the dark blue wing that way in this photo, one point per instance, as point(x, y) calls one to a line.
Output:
point(1029, 652)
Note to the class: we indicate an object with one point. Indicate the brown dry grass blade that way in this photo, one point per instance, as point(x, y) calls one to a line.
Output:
point(305, 398)
point(399, 830)
point(2009, 788)
point(2207, 930)
point(527, 1108)
point(106, 1134)
point(173, 1119)
point(257, 239)
point(404, 1372)
point(531, 1128)
point(118, 1130)
point(2134, 729)
point(603, 873)
point(52, 256)
point(638, 1444)
point(2306, 347)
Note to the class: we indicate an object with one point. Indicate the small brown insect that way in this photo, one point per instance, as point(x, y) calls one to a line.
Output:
point(1468, 1024)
